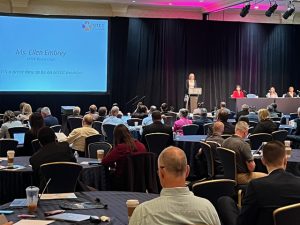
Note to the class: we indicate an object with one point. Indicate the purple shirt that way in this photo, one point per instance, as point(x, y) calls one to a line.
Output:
point(180, 123)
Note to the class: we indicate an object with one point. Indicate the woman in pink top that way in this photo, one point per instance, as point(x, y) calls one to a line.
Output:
point(183, 113)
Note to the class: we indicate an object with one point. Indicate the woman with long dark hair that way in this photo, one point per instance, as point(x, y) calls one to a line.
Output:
point(124, 145)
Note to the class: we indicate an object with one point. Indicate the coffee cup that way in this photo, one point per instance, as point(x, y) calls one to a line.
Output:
point(131, 205)
point(100, 154)
point(32, 195)
point(10, 158)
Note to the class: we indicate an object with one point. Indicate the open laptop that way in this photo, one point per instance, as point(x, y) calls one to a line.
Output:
point(20, 138)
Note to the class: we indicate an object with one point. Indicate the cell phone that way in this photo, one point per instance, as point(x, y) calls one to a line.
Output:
point(53, 212)
point(5, 212)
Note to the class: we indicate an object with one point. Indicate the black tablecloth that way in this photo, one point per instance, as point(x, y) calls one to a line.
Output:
point(14, 183)
point(116, 202)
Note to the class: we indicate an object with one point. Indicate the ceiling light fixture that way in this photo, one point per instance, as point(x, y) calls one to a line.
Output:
point(271, 10)
point(289, 11)
point(245, 10)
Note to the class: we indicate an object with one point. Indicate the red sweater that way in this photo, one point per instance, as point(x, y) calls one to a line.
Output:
point(118, 153)
point(236, 94)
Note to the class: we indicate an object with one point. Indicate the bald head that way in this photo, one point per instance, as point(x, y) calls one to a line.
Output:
point(174, 161)
point(218, 128)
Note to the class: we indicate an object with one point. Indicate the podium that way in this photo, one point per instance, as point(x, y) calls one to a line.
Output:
point(193, 98)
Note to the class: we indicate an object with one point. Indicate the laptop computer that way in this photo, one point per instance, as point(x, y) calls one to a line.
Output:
point(20, 138)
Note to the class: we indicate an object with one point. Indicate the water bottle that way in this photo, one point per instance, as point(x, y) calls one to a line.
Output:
point(76, 155)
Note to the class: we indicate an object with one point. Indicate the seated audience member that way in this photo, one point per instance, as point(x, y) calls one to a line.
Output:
point(102, 113)
point(48, 118)
point(36, 122)
point(271, 111)
point(275, 109)
point(176, 204)
point(245, 119)
point(244, 160)
point(272, 93)
point(140, 113)
point(290, 93)
point(264, 195)
point(203, 118)
point(148, 120)
point(76, 113)
point(253, 117)
point(238, 93)
point(26, 112)
point(157, 127)
point(223, 117)
point(138, 107)
point(265, 124)
point(77, 137)
point(183, 114)
point(243, 112)
point(51, 151)
point(20, 109)
point(296, 136)
point(124, 145)
point(9, 121)
point(164, 108)
point(93, 112)
point(222, 107)
point(218, 129)
point(197, 111)
point(112, 119)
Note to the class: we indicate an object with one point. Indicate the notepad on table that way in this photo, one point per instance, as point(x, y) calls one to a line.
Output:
point(58, 196)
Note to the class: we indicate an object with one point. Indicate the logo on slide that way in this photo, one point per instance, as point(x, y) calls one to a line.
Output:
point(87, 26)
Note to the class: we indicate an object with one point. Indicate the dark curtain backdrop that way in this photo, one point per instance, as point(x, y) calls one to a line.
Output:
point(153, 57)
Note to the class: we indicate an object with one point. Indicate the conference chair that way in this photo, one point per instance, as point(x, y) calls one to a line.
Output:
point(131, 121)
point(293, 116)
point(56, 128)
point(97, 125)
point(92, 139)
point(14, 130)
point(275, 119)
point(101, 118)
point(256, 140)
point(252, 124)
point(287, 215)
point(225, 136)
point(157, 142)
point(141, 172)
point(250, 130)
point(1, 116)
point(7, 144)
point(173, 114)
point(74, 122)
point(93, 147)
point(35, 145)
point(206, 126)
point(109, 130)
point(214, 189)
point(218, 167)
point(279, 135)
point(206, 150)
point(63, 175)
point(191, 129)
point(169, 120)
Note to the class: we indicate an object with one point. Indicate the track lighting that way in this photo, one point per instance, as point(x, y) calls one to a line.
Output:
point(271, 10)
point(289, 11)
point(245, 10)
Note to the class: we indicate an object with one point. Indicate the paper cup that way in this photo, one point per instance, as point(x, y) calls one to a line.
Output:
point(100, 154)
point(131, 205)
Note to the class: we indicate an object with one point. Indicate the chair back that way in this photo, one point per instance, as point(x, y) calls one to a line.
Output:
point(191, 129)
point(157, 142)
point(256, 140)
point(214, 189)
point(7, 144)
point(206, 127)
point(35, 145)
point(287, 215)
point(101, 118)
point(63, 176)
point(279, 135)
point(206, 149)
point(92, 139)
point(173, 114)
point(93, 147)
point(275, 119)
point(218, 168)
point(196, 117)
point(97, 125)
point(225, 136)
point(250, 130)
point(228, 159)
point(252, 124)
point(14, 130)
point(142, 175)
point(109, 130)
point(56, 128)
point(293, 116)
point(74, 122)
point(131, 121)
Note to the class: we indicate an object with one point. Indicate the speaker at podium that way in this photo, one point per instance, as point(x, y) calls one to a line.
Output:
point(192, 98)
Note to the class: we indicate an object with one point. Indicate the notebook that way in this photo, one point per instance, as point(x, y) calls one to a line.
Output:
point(71, 217)
point(18, 203)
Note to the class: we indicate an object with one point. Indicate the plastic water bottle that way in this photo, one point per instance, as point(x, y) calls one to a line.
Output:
point(76, 155)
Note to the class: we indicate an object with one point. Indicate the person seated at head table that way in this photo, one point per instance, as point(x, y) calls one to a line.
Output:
point(272, 93)
point(238, 93)
point(290, 93)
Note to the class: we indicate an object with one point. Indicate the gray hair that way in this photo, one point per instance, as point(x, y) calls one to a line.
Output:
point(115, 110)
point(174, 160)
point(76, 110)
point(46, 111)
point(241, 126)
